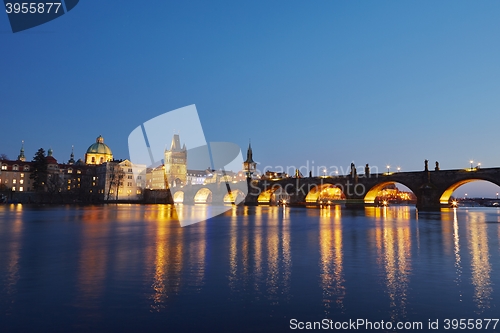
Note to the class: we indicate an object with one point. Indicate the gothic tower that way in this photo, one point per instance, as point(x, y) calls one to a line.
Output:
point(176, 163)
point(249, 166)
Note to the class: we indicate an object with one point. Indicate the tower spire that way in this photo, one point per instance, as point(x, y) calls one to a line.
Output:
point(249, 166)
point(72, 156)
point(21, 156)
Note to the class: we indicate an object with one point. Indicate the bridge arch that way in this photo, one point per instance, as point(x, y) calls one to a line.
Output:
point(274, 194)
point(204, 195)
point(324, 193)
point(372, 193)
point(235, 196)
point(179, 197)
point(445, 197)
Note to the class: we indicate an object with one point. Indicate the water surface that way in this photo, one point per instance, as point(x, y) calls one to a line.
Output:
point(132, 268)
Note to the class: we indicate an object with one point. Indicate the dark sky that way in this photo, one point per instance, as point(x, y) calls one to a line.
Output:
point(329, 82)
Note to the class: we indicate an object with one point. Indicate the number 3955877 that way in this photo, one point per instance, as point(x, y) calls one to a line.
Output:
point(32, 7)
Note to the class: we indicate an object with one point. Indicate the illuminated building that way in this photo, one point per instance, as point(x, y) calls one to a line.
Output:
point(176, 163)
point(98, 152)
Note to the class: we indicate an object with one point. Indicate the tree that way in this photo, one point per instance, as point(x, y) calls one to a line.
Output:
point(39, 171)
point(116, 175)
point(3, 157)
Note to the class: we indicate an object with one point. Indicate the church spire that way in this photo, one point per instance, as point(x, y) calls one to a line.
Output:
point(21, 156)
point(72, 156)
point(249, 153)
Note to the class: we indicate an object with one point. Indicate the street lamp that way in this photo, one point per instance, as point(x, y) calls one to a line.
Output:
point(399, 169)
point(388, 167)
point(324, 172)
point(479, 165)
point(336, 173)
point(497, 195)
point(465, 196)
point(471, 161)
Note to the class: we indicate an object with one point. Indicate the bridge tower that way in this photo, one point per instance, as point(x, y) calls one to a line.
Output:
point(176, 163)
point(249, 166)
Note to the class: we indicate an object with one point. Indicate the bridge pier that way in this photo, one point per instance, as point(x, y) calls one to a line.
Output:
point(428, 198)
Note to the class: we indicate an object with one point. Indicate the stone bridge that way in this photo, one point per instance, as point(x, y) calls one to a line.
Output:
point(432, 188)
point(220, 193)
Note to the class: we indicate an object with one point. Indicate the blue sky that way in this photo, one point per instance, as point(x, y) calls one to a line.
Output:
point(379, 82)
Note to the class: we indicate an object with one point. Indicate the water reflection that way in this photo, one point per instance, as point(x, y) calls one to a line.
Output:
point(480, 259)
point(14, 243)
point(392, 236)
point(93, 258)
point(331, 258)
point(456, 250)
point(123, 262)
point(260, 252)
point(168, 256)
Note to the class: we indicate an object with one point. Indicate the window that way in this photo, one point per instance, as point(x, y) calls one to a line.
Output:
point(4, 166)
point(21, 189)
point(21, 181)
point(93, 160)
point(129, 184)
point(13, 188)
point(15, 167)
point(78, 171)
point(138, 192)
point(69, 181)
point(26, 168)
point(70, 170)
point(14, 181)
point(129, 176)
point(129, 170)
point(69, 187)
point(139, 177)
point(22, 175)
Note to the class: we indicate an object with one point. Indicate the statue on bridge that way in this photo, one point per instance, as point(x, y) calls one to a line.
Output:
point(353, 170)
point(367, 170)
point(426, 165)
point(437, 166)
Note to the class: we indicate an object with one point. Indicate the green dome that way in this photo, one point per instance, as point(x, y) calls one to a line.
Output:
point(99, 147)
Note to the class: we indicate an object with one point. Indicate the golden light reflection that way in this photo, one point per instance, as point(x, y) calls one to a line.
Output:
point(93, 257)
point(480, 263)
point(239, 246)
point(331, 258)
point(456, 248)
point(447, 227)
point(260, 252)
point(393, 243)
point(168, 260)
point(286, 251)
point(272, 280)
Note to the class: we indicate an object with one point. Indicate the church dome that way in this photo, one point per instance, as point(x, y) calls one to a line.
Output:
point(99, 147)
